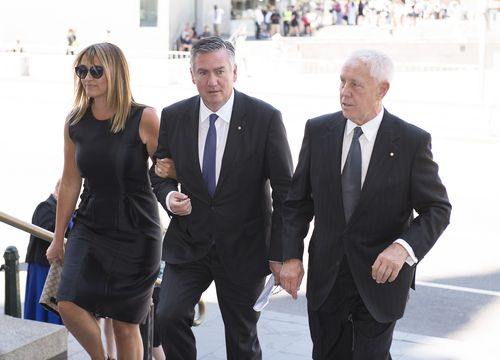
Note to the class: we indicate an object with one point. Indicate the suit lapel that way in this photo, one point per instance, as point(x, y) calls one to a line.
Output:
point(234, 141)
point(332, 147)
point(191, 123)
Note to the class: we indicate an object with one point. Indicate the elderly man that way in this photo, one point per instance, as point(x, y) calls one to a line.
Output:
point(362, 172)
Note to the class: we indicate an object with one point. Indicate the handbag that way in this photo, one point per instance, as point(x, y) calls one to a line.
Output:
point(48, 298)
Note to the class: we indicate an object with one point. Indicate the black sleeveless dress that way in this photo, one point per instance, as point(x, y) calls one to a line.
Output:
point(113, 252)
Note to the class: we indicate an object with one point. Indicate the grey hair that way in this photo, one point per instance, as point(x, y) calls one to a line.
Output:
point(379, 64)
point(212, 44)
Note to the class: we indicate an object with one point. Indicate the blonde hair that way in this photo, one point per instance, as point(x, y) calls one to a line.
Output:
point(119, 95)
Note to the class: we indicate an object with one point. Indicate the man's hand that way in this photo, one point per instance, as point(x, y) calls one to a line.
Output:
point(388, 263)
point(165, 168)
point(275, 267)
point(180, 204)
point(291, 276)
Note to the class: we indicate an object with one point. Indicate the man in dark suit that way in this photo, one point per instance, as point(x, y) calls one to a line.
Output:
point(361, 174)
point(224, 225)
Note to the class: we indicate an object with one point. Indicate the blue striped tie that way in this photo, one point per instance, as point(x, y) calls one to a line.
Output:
point(209, 155)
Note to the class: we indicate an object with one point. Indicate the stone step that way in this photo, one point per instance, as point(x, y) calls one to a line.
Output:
point(34, 340)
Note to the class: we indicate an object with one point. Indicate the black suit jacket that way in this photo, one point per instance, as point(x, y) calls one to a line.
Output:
point(241, 219)
point(401, 177)
point(45, 217)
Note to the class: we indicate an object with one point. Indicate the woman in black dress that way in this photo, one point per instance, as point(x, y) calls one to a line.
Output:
point(112, 256)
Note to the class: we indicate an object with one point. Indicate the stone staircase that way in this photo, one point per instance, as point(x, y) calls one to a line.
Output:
point(31, 340)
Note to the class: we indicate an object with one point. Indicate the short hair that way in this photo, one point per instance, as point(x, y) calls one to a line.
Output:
point(379, 64)
point(212, 44)
point(119, 94)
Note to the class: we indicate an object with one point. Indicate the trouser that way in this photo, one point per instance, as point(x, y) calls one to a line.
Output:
point(286, 28)
point(257, 30)
point(216, 29)
point(342, 328)
point(181, 289)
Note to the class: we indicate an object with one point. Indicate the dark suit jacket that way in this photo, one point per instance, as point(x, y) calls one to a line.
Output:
point(241, 218)
point(45, 217)
point(401, 177)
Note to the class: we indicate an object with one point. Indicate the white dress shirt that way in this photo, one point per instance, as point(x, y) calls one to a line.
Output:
point(367, 141)
point(222, 127)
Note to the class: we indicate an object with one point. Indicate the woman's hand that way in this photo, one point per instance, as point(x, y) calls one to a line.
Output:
point(55, 252)
point(165, 168)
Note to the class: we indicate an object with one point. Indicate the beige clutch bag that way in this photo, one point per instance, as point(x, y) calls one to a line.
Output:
point(48, 298)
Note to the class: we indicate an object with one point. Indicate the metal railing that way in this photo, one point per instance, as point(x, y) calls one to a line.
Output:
point(11, 266)
point(12, 293)
point(178, 55)
point(27, 227)
point(241, 31)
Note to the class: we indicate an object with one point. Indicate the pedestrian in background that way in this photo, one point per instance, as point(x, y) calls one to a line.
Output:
point(217, 15)
point(259, 22)
point(44, 216)
point(72, 42)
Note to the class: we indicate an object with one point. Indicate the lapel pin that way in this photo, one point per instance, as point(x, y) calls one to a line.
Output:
point(391, 154)
point(239, 127)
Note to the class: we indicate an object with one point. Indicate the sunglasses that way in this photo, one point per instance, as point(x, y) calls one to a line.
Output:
point(96, 71)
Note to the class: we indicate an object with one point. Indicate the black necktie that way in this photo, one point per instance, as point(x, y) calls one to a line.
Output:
point(351, 175)
point(209, 153)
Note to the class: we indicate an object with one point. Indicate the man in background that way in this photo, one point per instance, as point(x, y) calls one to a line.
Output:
point(217, 15)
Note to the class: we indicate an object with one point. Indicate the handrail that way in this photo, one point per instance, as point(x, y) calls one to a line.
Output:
point(27, 227)
point(178, 55)
point(241, 30)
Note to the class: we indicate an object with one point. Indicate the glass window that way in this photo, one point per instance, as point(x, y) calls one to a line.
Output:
point(149, 13)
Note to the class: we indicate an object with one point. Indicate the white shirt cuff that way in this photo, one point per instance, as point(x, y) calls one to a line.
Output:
point(411, 259)
point(167, 201)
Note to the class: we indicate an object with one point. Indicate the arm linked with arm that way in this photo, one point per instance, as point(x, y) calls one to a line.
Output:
point(162, 186)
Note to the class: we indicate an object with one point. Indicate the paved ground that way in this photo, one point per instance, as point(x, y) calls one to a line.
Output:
point(455, 312)
point(286, 337)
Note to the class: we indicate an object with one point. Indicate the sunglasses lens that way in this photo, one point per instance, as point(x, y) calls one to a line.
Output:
point(96, 71)
point(81, 71)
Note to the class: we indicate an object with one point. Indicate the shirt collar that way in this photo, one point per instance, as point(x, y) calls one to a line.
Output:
point(224, 112)
point(370, 128)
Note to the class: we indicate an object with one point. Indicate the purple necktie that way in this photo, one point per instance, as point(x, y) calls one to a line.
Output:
point(209, 154)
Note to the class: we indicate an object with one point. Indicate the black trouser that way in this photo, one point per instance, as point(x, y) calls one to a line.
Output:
point(286, 28)
point(257, 30)
point(182, 286)
point(342, 328)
